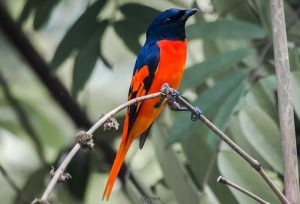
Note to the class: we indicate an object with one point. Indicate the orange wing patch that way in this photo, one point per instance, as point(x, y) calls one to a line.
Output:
point(138, 78)
point(137, 89)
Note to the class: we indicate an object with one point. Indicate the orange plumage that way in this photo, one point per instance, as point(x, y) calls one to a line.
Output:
point(162, 60)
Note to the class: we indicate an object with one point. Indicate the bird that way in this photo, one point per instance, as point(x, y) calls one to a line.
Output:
point(161, 60)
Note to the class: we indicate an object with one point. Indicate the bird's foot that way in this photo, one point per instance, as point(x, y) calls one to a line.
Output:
point(168, 93)
point(174, 106)
point(173, 96)
point(196, 115)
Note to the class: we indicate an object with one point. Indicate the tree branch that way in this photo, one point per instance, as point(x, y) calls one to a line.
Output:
point(239, 188)
point(90, 132)
point(254, 163)
point(285, 106)
point(165, 92)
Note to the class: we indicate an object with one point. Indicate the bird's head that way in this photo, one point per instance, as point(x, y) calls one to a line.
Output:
point(169, 25)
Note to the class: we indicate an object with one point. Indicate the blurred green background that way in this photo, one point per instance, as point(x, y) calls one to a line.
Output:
point(91, 47)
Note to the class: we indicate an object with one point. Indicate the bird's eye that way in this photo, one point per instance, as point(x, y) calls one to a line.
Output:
point(167, 20)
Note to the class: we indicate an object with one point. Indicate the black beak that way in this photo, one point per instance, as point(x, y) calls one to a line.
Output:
point(188, 13)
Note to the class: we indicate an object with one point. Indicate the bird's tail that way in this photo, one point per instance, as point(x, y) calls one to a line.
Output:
point(124, 146)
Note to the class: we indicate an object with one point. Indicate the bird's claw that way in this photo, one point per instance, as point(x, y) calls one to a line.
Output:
point(196, 115)
point(173, 96)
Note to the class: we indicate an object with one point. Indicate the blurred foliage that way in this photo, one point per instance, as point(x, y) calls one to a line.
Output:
point(230, 76)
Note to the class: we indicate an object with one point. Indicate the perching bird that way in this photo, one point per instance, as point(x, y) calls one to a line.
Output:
point(161, 60)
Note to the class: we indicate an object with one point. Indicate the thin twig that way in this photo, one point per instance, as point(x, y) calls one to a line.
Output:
point(294, 20)
point(285, 105)
point(77, 146)
point(12, 184)
point(239, 188)
point(23, 118)
point(166, 92)
point(254, 163)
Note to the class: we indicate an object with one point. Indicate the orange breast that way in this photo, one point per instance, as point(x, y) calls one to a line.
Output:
point(170, 70)
point(171, 65)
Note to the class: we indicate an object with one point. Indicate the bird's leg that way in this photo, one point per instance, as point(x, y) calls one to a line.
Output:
point(172, 95)
point(174, 106)
point(197, 114)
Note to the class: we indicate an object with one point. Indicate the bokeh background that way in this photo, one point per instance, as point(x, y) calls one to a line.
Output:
point(91, 46)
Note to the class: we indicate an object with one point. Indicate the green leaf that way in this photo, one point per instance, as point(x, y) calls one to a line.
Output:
point(291, 16)
point(225, 29)
point(220, 192)
point(137, 19)
point(199, 73)
point(78, 184)
point(175, 173)
point(209, 196)
point(9, 121)
point(235, 8)
point(296, 92)
point(263, 134)
point(238, 171)
point(29, 7)
point(218, 103)
point(198, 142)
point(86, 59)
point(43, 12)
point(34, 185)
point(236, 133)
point(264, 13)
point(79, 33)
point(48, 129)
point(263, 95)
point(95, 188)
point(294, 56)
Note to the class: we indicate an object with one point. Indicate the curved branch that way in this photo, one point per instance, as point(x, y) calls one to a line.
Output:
point(77, 146)
point(54, 86)
point(166, 91)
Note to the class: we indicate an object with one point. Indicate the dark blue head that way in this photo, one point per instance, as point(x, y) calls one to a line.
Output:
point(169, 25)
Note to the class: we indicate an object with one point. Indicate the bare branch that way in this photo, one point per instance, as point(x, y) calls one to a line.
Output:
point(254, 163)
point(54, 86)
point(285, 106)
point(101, 121)
point(239, 188)
point(166, 91)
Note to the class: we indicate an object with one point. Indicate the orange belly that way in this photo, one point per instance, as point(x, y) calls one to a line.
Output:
point(170, 70)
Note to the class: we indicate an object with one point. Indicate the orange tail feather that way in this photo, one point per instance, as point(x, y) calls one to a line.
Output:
point(123, 149)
